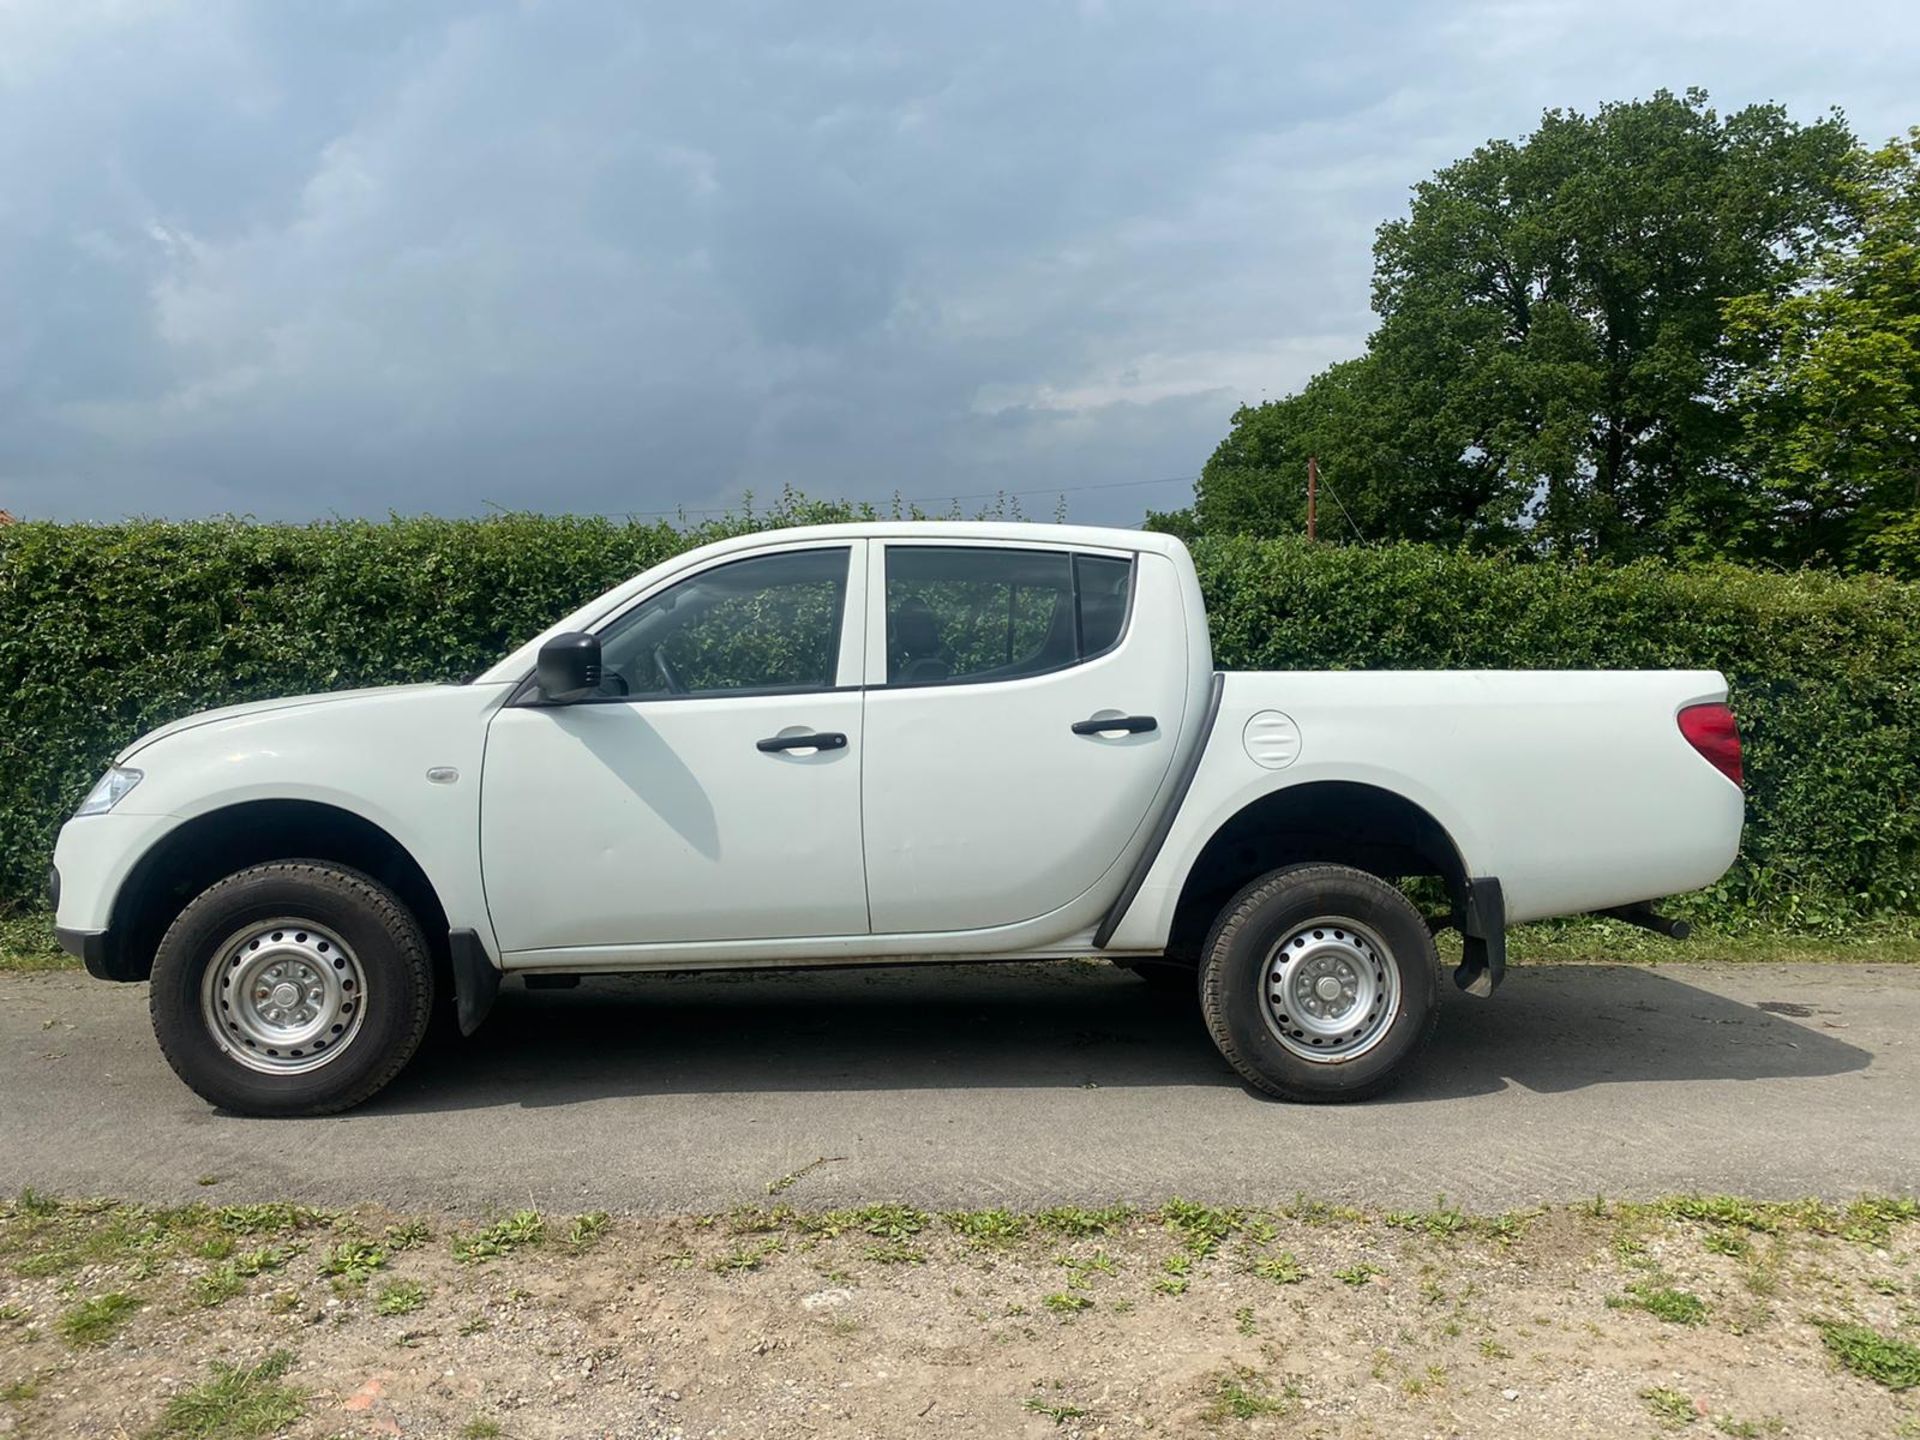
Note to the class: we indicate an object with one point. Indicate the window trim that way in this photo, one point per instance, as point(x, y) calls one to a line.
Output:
point(876, 672)
point(852, 611)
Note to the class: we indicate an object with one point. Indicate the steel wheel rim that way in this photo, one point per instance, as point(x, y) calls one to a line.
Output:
point(283, 997)
point(1329, 990)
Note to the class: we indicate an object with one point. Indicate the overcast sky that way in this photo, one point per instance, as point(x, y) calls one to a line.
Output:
point(297, 259)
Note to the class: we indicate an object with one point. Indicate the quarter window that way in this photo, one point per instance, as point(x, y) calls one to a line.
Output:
point(768, 623)
point(966, 614)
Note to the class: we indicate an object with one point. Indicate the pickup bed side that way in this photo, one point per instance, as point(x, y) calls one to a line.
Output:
point(1575, 789)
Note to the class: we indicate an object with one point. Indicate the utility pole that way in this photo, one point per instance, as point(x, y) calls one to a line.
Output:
point(1313, 493)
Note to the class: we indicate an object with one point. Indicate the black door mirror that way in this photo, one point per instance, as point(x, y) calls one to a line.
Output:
point(568, 668)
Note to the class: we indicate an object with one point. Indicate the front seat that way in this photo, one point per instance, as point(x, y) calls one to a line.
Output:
point(916, 645)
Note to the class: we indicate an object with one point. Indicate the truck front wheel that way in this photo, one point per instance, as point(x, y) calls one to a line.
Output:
point(293, 988)
point(1318, 983)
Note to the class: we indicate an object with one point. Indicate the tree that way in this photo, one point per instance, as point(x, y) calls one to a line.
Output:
point(1830, 397)
point(1553, 364)
point(1388, 469)
point(1558, 304)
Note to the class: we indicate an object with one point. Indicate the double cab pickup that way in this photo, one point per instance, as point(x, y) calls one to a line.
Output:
point(899, 743)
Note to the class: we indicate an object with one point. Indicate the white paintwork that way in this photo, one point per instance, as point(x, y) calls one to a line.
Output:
point(368, 754)
point(983, 808)
point(651, 833)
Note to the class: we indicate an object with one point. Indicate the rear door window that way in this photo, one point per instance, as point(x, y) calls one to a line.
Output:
point(972, 614)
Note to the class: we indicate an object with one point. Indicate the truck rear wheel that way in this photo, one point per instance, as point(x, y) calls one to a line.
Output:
point(293, 988)
point(1318, 983)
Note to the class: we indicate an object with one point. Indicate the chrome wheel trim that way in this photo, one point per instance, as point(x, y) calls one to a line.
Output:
point(283, 997)
point(1329, 991)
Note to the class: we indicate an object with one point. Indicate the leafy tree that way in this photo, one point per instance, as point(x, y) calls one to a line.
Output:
point(1558, 304)
point(1831, 395)
point(1389, 469)
point(1553, 362)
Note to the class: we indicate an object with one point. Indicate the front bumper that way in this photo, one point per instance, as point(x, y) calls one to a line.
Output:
point(93, 859)
point(93, 949)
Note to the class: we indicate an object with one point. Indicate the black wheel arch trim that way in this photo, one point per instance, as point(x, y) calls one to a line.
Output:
point(1163, 827)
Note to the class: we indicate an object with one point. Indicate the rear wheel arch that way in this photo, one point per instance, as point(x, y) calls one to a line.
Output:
point(1340, 822)
point(211, 846)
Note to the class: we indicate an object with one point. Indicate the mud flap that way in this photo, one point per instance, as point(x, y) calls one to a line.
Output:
point(1483, 930)
point(476, 980)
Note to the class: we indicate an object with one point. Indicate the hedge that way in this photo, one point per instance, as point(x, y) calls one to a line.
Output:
point(108, 631)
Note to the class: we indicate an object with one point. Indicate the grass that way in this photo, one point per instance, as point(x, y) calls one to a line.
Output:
point(1199, 1228)
point(407, 1235)
point(400, 1297)
point(94, 1322)
point(987, 1227)
point(520, 1230)
point(219, 1285)
point(1873, 1356)
point(1241, 1394)
point(745, 1257)
point(1057, 1411)
point(1078, 1222)
point(353, 1261)
point(236, 1404)
point(1176, 1275)
point(1585, 940)
point(586, 1229)
point(1670, 1407)
point(27, 943)
point(1281, 1269)
point(481, 1428)
point(1663, 1302)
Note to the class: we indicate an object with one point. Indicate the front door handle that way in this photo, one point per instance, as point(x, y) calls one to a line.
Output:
point(1132, 724)
point(821, 740)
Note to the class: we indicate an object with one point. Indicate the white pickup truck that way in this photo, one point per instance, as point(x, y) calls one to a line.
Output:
point(880, 743)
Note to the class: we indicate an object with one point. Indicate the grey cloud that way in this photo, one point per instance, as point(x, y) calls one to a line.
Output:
point(297, 260)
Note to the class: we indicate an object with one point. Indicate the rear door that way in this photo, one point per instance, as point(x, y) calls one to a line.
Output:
point(991, 792)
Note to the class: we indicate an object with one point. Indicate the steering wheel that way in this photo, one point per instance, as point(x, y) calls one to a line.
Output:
point(667, 672)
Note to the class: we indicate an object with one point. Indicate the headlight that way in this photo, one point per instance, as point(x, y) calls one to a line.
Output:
point(109, 791)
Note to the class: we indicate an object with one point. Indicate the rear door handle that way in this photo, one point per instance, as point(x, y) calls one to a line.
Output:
point(821, 740)
point(1132, 724)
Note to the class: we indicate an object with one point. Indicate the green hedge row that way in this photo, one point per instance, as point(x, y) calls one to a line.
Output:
point(107, 631)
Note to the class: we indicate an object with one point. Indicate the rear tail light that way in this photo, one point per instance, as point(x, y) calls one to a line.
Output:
point(1712, 730)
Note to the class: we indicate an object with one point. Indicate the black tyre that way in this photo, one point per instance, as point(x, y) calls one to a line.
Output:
point(1319, 983)
point(294, 988)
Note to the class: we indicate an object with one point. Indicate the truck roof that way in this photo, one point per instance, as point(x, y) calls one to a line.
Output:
point(1110, 537)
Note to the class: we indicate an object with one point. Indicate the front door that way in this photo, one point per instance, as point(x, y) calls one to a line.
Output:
point(993, 793)
point(675, 805)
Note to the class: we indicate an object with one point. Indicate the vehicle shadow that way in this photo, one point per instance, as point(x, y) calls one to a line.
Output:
point(1550, 1029)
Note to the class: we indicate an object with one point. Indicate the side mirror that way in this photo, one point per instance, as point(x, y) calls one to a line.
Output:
point(568, 668)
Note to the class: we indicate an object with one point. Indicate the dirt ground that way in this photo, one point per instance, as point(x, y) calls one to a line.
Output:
point(1708, 1316)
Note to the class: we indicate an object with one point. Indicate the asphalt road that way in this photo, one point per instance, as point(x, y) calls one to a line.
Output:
point(1017, 1085)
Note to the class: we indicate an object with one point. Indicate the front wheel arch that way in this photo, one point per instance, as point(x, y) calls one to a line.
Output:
point(211, 846)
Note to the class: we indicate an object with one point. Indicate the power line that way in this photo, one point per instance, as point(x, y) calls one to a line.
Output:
point(936, 499)
point(1343, 510)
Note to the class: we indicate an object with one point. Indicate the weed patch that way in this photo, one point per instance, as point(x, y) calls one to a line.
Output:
point(1873, 1356)
point(236, 1404)
point(94, 1322)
